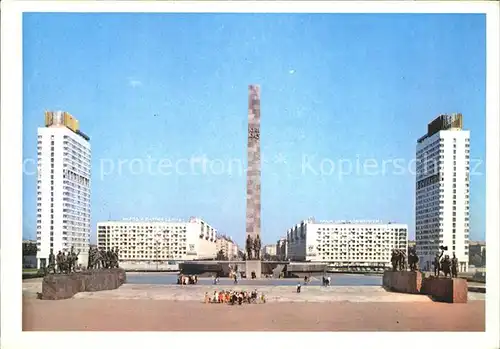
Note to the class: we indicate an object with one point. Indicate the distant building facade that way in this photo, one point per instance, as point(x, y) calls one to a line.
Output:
point(154, 241)
point(228, 247)
point(346, 243)
point(477, 252)
point(269, 250)
point(477, 247)
point(442, 191)
point(281, 249)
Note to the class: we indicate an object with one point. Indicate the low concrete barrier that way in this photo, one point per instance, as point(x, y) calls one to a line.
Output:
point(63, 286)
point(446, 289)
point(439, 289)
point(403, 281)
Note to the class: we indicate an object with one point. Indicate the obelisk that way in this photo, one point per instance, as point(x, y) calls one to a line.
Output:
point(253, 179)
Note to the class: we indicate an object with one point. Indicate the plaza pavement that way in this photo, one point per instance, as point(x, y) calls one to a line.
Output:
point(180, 308)
point(150, 315)
point(287, 294)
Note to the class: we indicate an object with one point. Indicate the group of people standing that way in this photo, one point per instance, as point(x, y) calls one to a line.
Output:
point(234, 297)
point(187, 279)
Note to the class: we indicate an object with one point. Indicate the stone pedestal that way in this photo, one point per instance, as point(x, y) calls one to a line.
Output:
point(403, 281)
point(253, 266)
point(446, 289)
point(63, 286)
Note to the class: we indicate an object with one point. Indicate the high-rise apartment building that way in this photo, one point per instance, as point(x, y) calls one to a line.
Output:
point(63, 188)
point(442, 191)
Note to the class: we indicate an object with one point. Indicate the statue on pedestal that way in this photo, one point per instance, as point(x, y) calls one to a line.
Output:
point(394, 260)
point(59, 262)
point(116, 258)
point(91, 259)
point(52, 262)
point(437, 260)
point(256, 247)
point(413, 259)
point(446, 266)
point(103, 258)
point(398, 260)
point(249, 246)
point(72, 259)
point(454, 266)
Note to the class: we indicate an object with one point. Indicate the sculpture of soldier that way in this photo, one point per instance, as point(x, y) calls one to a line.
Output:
point(99, 256)
point(437, 263)
point(446, 265)
point(104, 258)
point(59, 262)
point(413, 259)
point(96, 258)
point(111, 257)
point(394, 260)
point(64, 262)
point(249, 247)
point(69, 260)
point(454, 266)
point(90, 260)
point(402, 259)
point(52, 262)
point(256, 247)
point(108, 258)
point(72, 259)
point(117, 259)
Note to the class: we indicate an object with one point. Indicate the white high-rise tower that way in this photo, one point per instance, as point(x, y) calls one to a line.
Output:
point(63, 189)
point(442, 191)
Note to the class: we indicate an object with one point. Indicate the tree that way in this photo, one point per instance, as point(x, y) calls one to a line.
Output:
point(29, 249)
point(484, 257)
point(476, 260)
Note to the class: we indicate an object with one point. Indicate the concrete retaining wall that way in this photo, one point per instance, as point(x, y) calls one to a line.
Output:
point(403, 281)
point(446, 289)
point(63, 286)
point(440, 289)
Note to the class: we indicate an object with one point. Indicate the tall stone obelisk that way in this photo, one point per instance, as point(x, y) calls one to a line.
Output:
point(253, 179)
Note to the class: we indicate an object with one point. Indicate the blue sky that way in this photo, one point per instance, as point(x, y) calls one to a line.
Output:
point(336, 88)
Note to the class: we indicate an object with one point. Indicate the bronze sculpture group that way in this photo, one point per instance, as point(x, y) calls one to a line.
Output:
point(253, 245)
point(63, 263)
point(449, 266)
point(103, 259)
point(399, 260)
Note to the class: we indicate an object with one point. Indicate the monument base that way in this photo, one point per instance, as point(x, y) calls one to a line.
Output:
point(403, 281)
point(63, 286)
point(253, 266)
point(446, 289)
